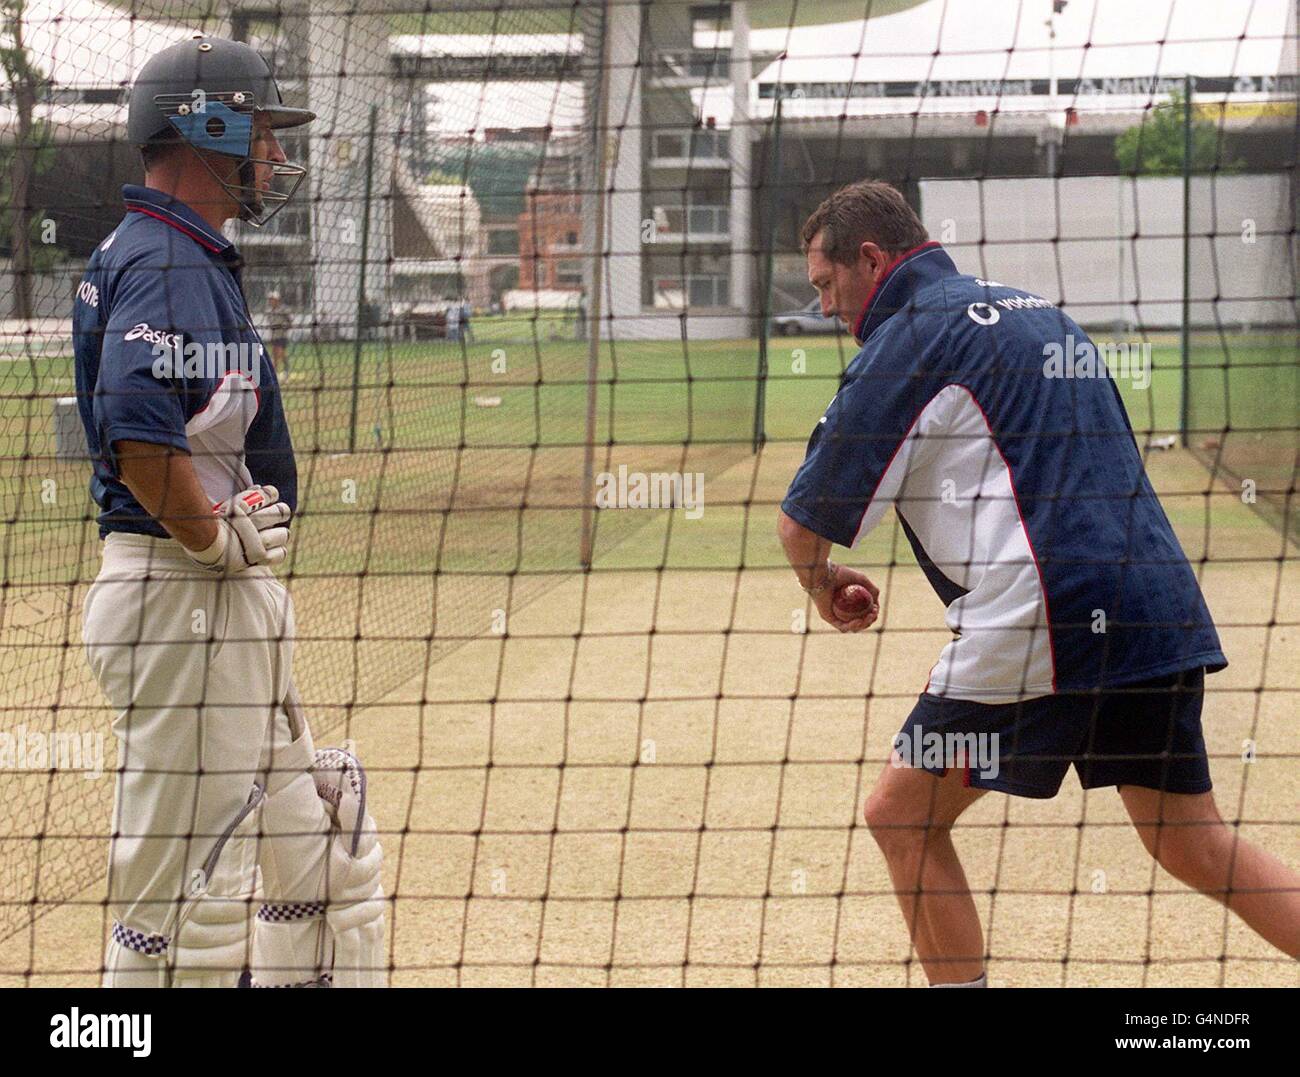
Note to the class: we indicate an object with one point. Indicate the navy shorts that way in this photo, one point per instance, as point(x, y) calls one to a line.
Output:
point(1146, 734)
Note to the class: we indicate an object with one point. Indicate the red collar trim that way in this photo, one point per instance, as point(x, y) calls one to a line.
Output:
point(200, 240)
point(885, 276)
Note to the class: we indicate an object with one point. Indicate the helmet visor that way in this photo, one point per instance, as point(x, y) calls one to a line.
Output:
point(282, 116)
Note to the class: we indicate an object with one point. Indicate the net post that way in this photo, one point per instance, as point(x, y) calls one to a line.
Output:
point(585, 553)
point(772, 176)
point(361, 277)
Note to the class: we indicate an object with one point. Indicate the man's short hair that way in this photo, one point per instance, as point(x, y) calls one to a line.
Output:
point(866, 211)
point(156, 150)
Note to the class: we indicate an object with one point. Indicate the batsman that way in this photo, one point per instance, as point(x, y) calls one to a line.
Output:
point(238, 852)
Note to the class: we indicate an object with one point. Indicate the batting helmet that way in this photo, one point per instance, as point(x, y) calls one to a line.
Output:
point(206, 92)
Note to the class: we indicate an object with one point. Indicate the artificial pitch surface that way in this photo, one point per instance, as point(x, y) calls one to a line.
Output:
point(653, 777)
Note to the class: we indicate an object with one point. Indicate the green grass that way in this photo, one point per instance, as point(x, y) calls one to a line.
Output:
point(417, 418)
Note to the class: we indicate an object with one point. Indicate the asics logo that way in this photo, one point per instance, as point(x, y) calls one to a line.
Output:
point(144, 331)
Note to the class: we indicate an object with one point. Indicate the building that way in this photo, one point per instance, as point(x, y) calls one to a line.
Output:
point(550, 241)
point(699, 184)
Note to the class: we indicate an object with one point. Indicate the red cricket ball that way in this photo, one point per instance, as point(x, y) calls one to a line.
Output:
point(852, 601)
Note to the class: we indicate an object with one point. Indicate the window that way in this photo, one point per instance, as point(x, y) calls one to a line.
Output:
point(711, 26)
point(707, 291)
point(698, 144)
point(668, 145)
point(709, 143)
point(503, 241)
point(569, 272)
point(708, 220)
point(696, 290)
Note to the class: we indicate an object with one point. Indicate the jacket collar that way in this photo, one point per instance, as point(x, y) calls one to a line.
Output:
point(178, 215)
point(917, 267)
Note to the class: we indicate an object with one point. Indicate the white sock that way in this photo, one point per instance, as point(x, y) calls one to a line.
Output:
point(981, 982)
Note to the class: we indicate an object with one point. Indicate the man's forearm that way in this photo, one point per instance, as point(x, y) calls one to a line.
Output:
point(807, 552)
point(163, 480)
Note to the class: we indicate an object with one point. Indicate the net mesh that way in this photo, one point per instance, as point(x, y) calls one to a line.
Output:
point(542, 289)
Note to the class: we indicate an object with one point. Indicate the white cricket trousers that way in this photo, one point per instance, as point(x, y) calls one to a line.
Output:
point(197, 667)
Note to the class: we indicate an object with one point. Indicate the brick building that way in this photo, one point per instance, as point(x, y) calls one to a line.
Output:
point(550, 243)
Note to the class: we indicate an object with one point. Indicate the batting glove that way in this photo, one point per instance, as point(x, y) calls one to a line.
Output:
point(250, 531)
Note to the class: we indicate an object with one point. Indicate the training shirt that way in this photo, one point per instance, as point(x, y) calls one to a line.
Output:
point(1021, 491)
point(165, 353)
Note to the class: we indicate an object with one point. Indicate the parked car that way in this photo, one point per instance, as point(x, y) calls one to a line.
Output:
point(809, 319)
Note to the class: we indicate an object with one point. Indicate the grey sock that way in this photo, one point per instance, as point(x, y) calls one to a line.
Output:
point(981, 982)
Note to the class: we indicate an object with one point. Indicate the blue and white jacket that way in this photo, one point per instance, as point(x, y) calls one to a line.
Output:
point(1022, 493)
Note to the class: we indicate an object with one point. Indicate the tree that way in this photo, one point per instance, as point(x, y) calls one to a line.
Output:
point(1154, 147)
point(443, 177)
point(20, 163)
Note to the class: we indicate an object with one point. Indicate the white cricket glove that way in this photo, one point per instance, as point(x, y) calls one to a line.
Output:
point(250, 531)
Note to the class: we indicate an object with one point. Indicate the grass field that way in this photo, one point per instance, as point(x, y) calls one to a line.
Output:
point(526, 753)
point(418, 399)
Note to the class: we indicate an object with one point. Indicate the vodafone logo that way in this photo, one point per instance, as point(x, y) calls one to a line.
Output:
point(983, 314)
point(143, 331)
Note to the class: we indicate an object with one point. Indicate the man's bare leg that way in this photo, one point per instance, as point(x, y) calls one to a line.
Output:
point(1189, 839)
point(911, 813)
